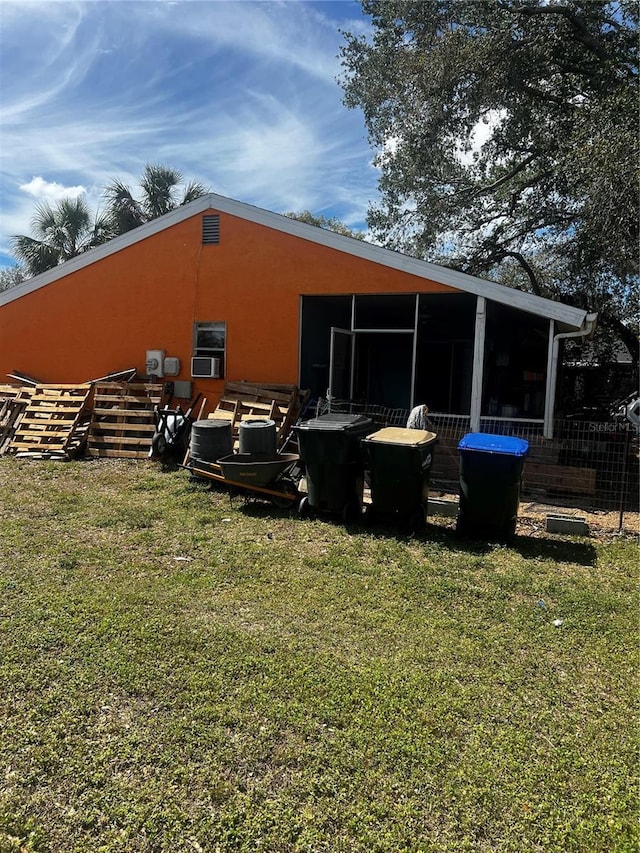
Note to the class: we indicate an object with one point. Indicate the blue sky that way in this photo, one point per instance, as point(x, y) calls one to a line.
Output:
point(241, 96)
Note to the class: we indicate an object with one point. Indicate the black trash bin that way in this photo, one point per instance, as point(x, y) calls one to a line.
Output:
point(331, 452)
point(399, 463)
point(490, 475)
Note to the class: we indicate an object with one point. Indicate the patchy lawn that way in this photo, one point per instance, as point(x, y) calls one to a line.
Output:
point(181, 674)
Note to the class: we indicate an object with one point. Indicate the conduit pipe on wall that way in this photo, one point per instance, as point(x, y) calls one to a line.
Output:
point(585, 332)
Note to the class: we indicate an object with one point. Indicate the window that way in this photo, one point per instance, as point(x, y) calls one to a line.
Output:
point(209, 346)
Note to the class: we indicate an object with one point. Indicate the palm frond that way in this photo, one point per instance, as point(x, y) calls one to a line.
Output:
point(36, 255)
point(125, 211)
point(159, 184)
point(193, 190)
point(43, 219)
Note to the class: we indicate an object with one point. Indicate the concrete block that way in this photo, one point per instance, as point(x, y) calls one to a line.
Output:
point(440, 507)
point(571, 524)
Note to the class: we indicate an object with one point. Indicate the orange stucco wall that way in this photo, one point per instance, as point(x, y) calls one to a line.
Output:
point(104, 317)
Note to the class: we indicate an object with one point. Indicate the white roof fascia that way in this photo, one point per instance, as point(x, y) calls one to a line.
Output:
point(565, 314)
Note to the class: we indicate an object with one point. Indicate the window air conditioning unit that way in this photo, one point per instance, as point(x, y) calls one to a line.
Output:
point(205, 368)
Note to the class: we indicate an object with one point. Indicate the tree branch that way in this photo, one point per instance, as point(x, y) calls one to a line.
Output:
point(542, 96)
point(581, 31)
point(505, 178)
point(517, 256)
point(499, 253)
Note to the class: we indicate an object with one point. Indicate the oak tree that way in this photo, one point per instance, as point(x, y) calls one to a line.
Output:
point(506, 135)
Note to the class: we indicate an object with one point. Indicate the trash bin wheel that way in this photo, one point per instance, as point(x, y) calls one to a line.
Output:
point(417, 520)
point(510, 530)
point(462, 526)
point(304, 507)
point(351, 512)
point(369, 515)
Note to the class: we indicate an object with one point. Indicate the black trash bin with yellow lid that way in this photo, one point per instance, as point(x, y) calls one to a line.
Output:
point(399, 462)
point(330, 449)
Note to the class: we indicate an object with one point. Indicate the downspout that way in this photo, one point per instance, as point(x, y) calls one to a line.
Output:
point(478, 364)
point(414, 354)
point(585, 332)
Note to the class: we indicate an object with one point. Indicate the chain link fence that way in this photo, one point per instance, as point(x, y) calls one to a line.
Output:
point(591, 465)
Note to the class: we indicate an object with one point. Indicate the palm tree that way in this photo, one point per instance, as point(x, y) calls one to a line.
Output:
point(60, 233)
point(161, 192)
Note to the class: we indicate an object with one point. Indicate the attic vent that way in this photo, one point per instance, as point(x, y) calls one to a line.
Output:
point(211, 229)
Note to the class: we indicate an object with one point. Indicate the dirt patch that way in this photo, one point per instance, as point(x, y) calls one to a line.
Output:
point(532, 518)
point(603, 521)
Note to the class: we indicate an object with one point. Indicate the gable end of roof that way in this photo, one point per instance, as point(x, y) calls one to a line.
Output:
point(566, 315)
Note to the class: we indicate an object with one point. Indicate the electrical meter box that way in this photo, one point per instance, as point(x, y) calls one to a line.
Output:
point(154, 362)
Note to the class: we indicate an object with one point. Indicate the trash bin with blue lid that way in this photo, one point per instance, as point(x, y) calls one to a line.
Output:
point(334, 462)
point(490, 476)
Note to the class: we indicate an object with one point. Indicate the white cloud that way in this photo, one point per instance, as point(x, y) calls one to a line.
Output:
point(239, 95)
point(481, 133)
point(290, 33)
point(50, 190)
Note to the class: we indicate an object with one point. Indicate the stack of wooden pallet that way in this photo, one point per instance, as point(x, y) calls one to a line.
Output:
point(117, 419)
point(46, 427)
point(249, 401)
point(123, 420)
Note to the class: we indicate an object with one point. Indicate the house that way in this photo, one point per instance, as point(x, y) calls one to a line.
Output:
point(591, 384)
point(219, 289)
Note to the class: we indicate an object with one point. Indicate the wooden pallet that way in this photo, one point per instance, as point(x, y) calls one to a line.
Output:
point(123, 420)
point(446, 462)
point(13, 403)
point(242, 401)
point(47, 425)
point(9, 392)
point(559, 478)
point(539, 476)
point(78, 444)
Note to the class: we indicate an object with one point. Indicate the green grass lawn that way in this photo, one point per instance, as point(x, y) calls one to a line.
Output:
point(183, 674)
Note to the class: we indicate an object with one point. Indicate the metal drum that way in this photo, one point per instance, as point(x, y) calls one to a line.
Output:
point(258, 436)
point(210, 440)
